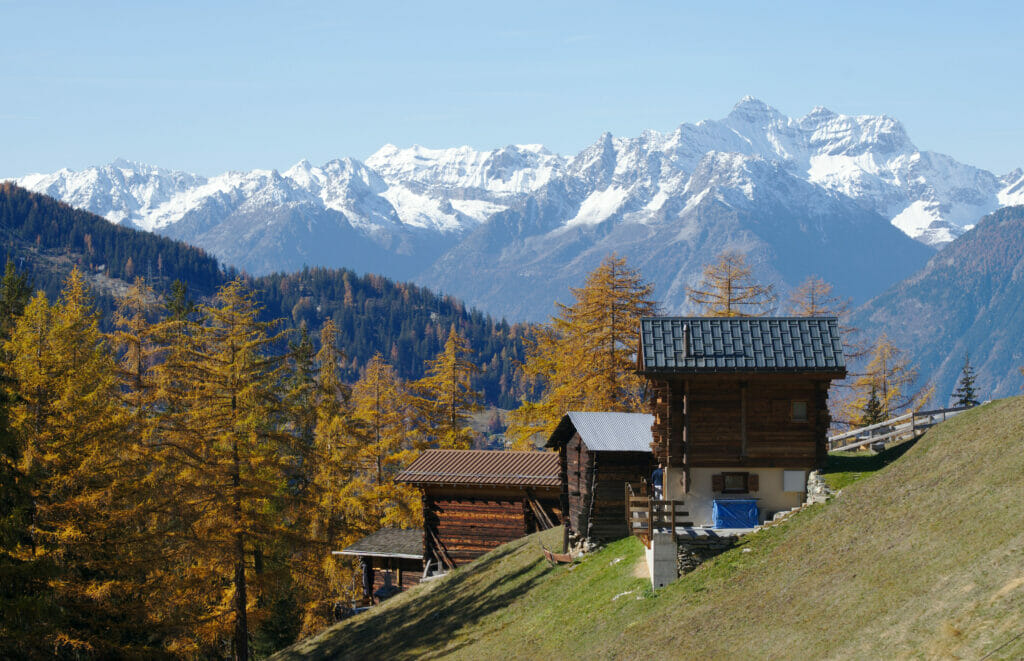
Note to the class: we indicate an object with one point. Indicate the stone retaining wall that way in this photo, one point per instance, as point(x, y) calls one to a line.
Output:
point(690, 553)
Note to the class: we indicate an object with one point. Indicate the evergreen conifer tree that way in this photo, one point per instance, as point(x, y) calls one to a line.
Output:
point(873, 413)
point(965, 393)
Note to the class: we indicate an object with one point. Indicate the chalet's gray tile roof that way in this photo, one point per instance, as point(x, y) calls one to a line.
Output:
point(604, 431)
point(483, 468)
point(389, 543)
point(740, 344)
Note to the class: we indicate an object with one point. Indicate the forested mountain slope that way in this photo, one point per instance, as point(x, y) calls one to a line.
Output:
point(969, 298)
point(406, 323)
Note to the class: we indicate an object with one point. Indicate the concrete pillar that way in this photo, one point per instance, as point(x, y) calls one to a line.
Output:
point(661, 559)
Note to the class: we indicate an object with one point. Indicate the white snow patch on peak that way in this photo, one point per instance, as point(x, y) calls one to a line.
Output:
point(422, 211)
point(599, 206)
point(506, 171)
point(478, 210)
point(1013, 192)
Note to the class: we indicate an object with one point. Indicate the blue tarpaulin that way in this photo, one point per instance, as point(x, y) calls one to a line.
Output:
point(734, 513)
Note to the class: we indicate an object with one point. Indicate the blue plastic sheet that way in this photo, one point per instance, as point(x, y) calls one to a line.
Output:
point(734, 513)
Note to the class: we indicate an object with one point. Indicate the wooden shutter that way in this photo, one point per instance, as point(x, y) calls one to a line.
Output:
point(717, 482)
point(752, 482)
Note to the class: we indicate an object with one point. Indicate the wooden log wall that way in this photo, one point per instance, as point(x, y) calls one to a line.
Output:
point(472, 523)
point(705, 428)
point(578, 471)
point(597, 480)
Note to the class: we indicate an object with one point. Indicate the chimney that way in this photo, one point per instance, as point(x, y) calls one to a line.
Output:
point(686, 340)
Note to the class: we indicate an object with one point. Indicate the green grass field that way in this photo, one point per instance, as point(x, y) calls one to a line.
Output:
point(920, 556)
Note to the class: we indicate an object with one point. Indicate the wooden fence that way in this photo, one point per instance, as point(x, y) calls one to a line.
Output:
point(902, 427)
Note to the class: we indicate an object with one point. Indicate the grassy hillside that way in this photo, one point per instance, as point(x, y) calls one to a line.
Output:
point(922, 559)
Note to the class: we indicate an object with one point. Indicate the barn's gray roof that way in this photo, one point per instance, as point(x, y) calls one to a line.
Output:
point(740, 344)
point(604, 431)
point(389, 543)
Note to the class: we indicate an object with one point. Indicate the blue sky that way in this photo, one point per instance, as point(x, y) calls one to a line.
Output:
point(208, 87)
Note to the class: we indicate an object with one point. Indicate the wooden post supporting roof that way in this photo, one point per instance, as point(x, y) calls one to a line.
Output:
point(743, 420)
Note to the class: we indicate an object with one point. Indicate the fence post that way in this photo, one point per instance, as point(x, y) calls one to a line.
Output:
point(672, 519)
point(650, 515)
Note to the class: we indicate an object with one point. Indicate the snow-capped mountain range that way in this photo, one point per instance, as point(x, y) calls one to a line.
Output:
point(756, 180)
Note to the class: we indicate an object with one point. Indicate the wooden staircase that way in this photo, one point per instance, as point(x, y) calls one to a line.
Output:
point(645, 514)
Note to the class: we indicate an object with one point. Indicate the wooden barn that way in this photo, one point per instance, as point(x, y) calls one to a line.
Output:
point(475, 500)
point(740, 410)
point(391, 560)
point(599, 452)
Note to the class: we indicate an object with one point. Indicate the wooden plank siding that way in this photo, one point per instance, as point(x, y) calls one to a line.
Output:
point(596, 488)
point(469, 522)
point(707, 413)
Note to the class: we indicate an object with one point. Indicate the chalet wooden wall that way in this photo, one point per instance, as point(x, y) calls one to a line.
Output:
point(596, 486)
point(700, 421)
point(468, 522)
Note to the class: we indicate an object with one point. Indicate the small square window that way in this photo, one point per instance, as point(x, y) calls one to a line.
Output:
point(799, 411)
point(794, 481)
point(734, 482)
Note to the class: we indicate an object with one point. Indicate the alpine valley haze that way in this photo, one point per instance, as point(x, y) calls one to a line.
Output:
point(848, 198)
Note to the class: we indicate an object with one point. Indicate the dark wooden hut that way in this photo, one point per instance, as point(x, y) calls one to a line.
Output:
point(391, 560)
point(476, 500)
point(740, 407)
point(599, 452)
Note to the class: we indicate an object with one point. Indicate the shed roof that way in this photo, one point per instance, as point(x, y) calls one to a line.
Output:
point(605, 431)
point(740, 344)
point(389, 543)
point(483, 468)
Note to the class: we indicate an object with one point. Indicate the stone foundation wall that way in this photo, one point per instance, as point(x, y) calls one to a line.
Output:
point(690, 553)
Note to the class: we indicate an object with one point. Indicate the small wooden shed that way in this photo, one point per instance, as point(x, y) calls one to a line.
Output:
point(599, 452)
point(476, 500)
point(391, 561)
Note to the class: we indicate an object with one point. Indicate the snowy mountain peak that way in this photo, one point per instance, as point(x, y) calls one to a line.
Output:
point(754, 111)
point(400, 193)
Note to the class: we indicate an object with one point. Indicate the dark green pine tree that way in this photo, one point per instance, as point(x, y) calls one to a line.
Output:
point(965, 393)
point(873, 411)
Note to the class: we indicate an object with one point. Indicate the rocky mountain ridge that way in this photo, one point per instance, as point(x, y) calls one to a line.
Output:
point(756, 181)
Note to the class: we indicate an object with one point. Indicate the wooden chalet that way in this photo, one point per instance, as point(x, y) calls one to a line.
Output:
point(391, 561)
point(599, 453)
point(476, 500)
point(740, 410)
